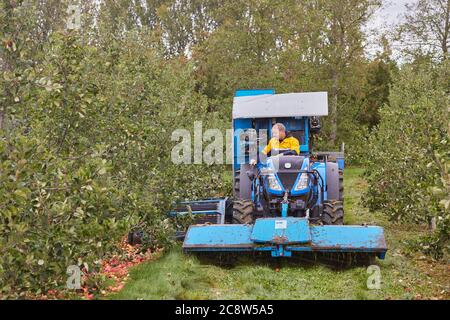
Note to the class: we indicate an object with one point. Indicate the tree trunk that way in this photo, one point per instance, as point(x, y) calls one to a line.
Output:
point(446, 32)
point(2, 117)
point(432, 224)
point(334, 103)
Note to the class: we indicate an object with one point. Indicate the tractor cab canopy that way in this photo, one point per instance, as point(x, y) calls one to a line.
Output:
point(257, 104)
point(260, 109)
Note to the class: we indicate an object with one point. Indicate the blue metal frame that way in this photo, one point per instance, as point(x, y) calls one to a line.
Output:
point(221, 207)
point(253, 92)
point(321, 167)
point(292, 235)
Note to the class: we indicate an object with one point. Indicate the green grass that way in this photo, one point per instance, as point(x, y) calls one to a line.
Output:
point(180, 276)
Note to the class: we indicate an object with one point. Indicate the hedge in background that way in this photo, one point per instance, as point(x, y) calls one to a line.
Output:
point(408, 155)
point(87, 156)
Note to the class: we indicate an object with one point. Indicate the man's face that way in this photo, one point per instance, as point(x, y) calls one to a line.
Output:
point(277, 133)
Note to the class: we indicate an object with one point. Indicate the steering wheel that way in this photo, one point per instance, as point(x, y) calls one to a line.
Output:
point(285, 152)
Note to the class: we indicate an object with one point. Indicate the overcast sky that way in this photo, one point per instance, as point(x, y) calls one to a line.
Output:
point(384, 19)
point(389, 12)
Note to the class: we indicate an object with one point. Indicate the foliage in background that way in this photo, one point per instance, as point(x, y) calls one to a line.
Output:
point(425, 30)
point(54, 213)
point(407, 167)
point(88, 157)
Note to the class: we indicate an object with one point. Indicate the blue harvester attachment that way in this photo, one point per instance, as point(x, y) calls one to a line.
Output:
point(283, 236)
point(284, 202)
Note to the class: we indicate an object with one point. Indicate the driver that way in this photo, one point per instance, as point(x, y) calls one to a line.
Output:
point(280, 140)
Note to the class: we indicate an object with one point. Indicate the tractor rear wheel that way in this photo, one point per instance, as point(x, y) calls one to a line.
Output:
point(241, 183)
point(333, 213)
point(236, 182)
point(243, 212)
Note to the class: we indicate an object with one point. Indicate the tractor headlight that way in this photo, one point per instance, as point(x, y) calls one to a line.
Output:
point(273, 182)
point(302, 182)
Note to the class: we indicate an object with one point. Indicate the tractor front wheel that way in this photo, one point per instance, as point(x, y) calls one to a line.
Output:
point(243, 212)
point(333, 213)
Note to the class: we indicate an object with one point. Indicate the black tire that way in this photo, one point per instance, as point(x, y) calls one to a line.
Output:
point(242, 188)
point(243, 212)
point(341, 185)
point(135, 237)
point(237, 183)
point(333, 213)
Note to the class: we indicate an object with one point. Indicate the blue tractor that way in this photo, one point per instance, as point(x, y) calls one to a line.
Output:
point(283, 203)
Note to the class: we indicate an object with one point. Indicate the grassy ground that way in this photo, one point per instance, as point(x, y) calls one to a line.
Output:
point(405, 275)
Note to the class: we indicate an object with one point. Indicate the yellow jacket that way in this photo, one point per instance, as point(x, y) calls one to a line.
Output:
point(287, 143)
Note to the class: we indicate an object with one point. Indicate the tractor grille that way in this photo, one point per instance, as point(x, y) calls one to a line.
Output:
point(287, 179)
